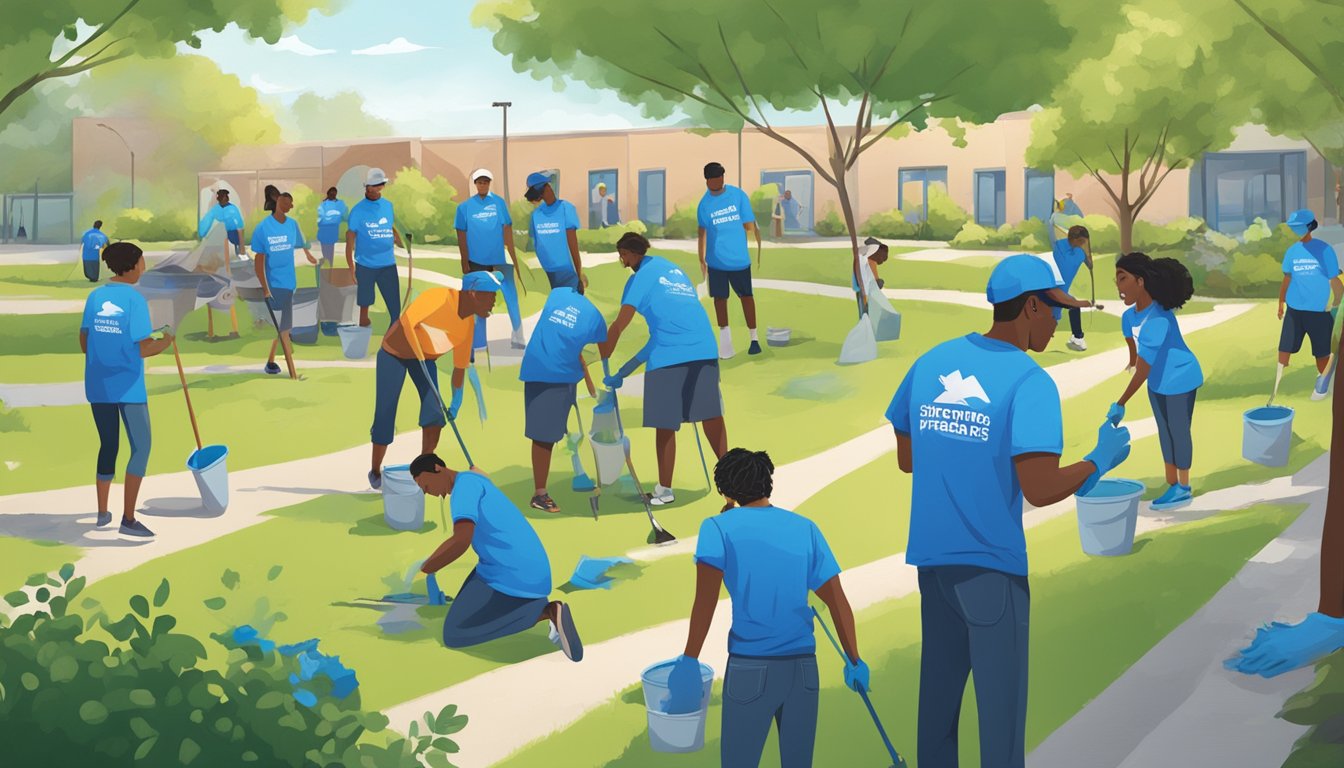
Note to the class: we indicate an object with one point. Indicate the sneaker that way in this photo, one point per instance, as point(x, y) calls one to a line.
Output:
point(271, 368)
point(104, 519)
point(566, 635)
point(545, 503)
point(1177, 496)
point(375, 479)
point(1077, 344)
point(135, 528)
point(1322, 387)
point(516, 340)
point(726, 351)
point(755, 348)
point(661, 496)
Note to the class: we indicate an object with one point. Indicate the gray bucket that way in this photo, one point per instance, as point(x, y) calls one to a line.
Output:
point(403, 501)
point(1107, 516)
point(1267, 434)
point(778, 337)
point(209, 467)
point(355, 340)
point(305, 329)
point(674, 733)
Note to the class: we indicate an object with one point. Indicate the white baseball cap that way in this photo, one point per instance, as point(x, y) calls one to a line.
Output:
point(375, 177)
point(479, 172)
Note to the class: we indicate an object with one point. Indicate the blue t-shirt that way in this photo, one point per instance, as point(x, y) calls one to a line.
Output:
point(969, 406)
point(330, 214)
point(568, 322)
point(511, 557)
point(722, 217)
point(550, 235)
point(1311, 266)
point(372, 222)
point(93, 242)
point(1068, 258)
point(679, 330)
point(278, 240)
point(116, 320)
point(771, 559)
point(228, 215)
point(1130, 322)
point(1175, 370)
point(484, 219)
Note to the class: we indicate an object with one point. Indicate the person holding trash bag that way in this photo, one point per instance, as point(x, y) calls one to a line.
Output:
point(330, 213)
point(273, 242)
point(725, 218)
point(369, 234)
point(506, 593)
point(484, 232)
point(114, 336)
point(872, 255)
point(92, 243)
point(1311, 291)
point(682, 382)
point(1155, 288)
point(978, 407)
point(769, 559)
point(439, 321)
point(554, 234)
point(551, 369)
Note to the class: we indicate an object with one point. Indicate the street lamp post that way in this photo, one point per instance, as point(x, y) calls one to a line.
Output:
point(505, 106)
point(128, 149)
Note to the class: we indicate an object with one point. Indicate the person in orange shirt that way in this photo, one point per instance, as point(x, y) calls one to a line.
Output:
point(439, 321)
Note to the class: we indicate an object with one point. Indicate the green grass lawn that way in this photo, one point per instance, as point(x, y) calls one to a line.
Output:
point(21, 558)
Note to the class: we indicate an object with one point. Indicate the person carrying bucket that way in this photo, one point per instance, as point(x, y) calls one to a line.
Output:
point(114, 336)
point(554, 234)
point(769, 559)
point(273, 243)
point(92, 243)
point(725, 218)
point(551, 369)
point(979, 407)
point(484, 231)
point(439, 321)
point(1155, 288)
point(369, 234)
point(1311, 291)
point(508, 590)
point(682, 382)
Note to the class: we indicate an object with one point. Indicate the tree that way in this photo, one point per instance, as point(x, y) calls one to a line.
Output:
point(730, 64)
point(1145, 96)
point(325, 118)
point(425, 207)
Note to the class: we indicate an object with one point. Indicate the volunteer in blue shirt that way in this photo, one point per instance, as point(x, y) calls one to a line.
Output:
point(978, 425)
point(551, 370)
point(506, 593)
point(554, 234)
point(369, 234)
point(484, 230)
point(115, 338)
point(725, 218)
point(228, 215)
point(330, 213)
point(274, 241)
point(682, 382)
point(92, 243)
point(1155, 288)
point(770, 559)
point(1070, 253)
point(1311, 289)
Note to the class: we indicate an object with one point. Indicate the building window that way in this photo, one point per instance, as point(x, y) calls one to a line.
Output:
point(990, 198)
point(603, 194)
point(912, 195)
point(653, 197)
point(1230, 190)
point(1040, 197)
point(793, 206)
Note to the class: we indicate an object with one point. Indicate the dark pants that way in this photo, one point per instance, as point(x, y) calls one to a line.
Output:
point(136, 418)
point(479, 614)
point(389, 375)
point(758, 691)
point(1174, 414)
point(91, 270)
point(385, 280)
point(564, 279)
point(1076, 322)
point(975, 621)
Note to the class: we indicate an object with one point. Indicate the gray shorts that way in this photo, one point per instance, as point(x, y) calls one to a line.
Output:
point(546, 410)
point(682, 393)
point(282, 304)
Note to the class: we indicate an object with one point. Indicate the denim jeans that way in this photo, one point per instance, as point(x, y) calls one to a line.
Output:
point(136, 418)
point(758, 691)
point(389, 376)
point(385, 280)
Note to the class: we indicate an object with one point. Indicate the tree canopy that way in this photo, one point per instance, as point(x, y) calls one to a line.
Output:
point(323, 118)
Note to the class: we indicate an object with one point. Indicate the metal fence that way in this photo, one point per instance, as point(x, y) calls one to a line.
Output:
point(37, 217)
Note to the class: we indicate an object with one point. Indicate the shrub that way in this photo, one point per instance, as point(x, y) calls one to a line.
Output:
point(945, 219)
point(425, 207)
point(1027, 235)
point(763, 206)
point(604, 240)
point(1248, 266)
point(888, 224)
point(1321, 706)
point(682, 225)
point(146, 226)
point(830, 225)
point(1180, 233)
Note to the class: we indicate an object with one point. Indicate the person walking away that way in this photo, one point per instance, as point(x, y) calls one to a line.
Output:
point(508, 590)
point(92, 243)
point(439, 321)
point(369, 235)
point(725, 218)
point(330, 213)
point(484, 230)
point(114, 336)
point(274, 241)
point(554, 234)
point(770, 559)
point(1070, 253)
point(551, 369)
point(227, 214)
point(1311, 291)
point(979, 407)
point(682, 382)
point(1156, 288)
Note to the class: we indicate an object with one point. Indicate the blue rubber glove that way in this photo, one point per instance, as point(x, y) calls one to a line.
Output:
point(436, 596)
point(456, 404)
point(1281, 647)
point(1112, 448)
point(614, 381)
point(856, 676)
point(685, 687)
point(1115, 413)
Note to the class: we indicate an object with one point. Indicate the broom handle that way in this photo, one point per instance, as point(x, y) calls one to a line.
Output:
point(190, 411)
point(587, 379)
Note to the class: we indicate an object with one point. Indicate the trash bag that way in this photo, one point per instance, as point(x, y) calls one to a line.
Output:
point(884, 317)
point(187, 281)
point(860, 343)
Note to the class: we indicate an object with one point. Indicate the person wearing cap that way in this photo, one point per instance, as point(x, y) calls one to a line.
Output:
point(872, 255)
point(273, 244)
point(725, 218)
point(1070, 253)
point(330, 213)
point(1311, 291)
point(370, 232)
point(554, 234)
point(228, 215)
point(440, 321)
point(92, 243)
point(682, 382)
point(979, 408)
point(484, 231)
point(551, 369)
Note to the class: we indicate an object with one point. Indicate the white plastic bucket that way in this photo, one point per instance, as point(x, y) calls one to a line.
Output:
point(355, 340)
point(1267, 434)
point(1107, 516)
point(778, 337)
point(210, 469)
point(403, 501)
point(610, 459)
point(674, 733)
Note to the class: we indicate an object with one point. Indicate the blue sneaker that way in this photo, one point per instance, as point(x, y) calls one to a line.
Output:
point(104, 519)
point(1322, 387)
point(1177, 496)
point(271, 368)
point(134, 528)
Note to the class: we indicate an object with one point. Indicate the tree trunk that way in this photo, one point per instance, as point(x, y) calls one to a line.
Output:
point(1332, 536)
point(847, 209)
point(1125, 219)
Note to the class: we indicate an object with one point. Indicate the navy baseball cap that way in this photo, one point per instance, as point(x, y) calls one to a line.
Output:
point(1019, 274)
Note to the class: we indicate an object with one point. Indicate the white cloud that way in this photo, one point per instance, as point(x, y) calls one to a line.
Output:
point(265, 86)
point(397, 46)
point(292, 44)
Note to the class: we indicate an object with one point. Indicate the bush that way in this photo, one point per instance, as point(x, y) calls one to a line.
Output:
point(1321, 706)
point(1249, 265)
point(1180, 233)
point(682, 225)
point(888, 224)
point(945, 219)
point(425, 207)
point(146, 226)
point(1027, 235)
point(604, 240)
point(763, 206)
point(830, 225)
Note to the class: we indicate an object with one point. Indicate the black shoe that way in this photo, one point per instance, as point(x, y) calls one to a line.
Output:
point(755, 348)
point(568, 636)
point(271, 368)
point(104, 519)
point(545, 503)
point(135, 528)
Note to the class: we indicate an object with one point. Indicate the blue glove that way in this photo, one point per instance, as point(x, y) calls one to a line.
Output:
point(436, 596)
point(1115, 413)
point(614, 381)
point(1112, 448)
point(685, 687)
point(456, 404)
point(1281, 648)
point(856, 676)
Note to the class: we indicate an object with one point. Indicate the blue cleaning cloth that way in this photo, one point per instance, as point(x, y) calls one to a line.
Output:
point(591, 572)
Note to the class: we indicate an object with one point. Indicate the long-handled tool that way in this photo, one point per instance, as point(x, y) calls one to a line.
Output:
point(896, 760)
point(581, 483)
point(279, 337)
point(709, 486)
point(659, 534)
point(410, 269)
point(191, 412)
point(447, 415)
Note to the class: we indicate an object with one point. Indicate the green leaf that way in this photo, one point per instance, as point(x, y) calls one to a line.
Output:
point(230, 579)
point(140, 605)
point(142, 729)
point(43, 595)
point(161, 594)
point(29, 681)
point(445, 744)
point(17, 598)
point(270, 700)
point(71, 33)
point(163, 625)
point(437, 760)
point(92, 712)
point(36, 580)
point(74, 587)
point(188, 751)
point(142, 697)
point(64, 669)
point(215, 603)
point(67, 571)
point(142, 751)
point(274, 573)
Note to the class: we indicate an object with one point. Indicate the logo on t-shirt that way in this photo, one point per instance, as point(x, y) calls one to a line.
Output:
point(676, 288)
point(958, 390)
point(1306, 265)
point(568, 317)
point(956, 417)
point(110, 310)
point(724, 215)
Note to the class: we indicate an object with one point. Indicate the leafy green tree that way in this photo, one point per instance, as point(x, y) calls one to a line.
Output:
point(425, 206)
point(326, 118)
